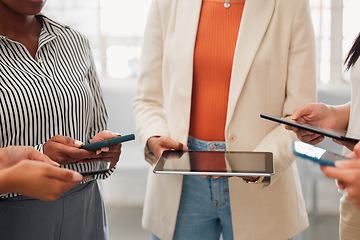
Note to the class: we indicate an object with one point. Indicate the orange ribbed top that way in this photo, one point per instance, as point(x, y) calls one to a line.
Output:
point(213, 58)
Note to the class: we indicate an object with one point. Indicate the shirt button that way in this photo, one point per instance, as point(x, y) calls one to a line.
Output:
point(231, 137)
point(40, 61)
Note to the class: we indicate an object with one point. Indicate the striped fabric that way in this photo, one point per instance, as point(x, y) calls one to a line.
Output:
point(58, 93)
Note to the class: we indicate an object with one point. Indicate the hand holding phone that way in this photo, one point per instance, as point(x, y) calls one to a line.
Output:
point(108, 142)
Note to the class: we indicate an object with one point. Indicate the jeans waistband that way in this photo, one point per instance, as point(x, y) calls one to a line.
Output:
point(200, 145)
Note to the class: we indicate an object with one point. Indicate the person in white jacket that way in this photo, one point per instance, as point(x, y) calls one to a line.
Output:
point(208, 69)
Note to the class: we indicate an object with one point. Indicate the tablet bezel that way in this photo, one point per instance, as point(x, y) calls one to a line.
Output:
point(268, 158)
point(325, 132)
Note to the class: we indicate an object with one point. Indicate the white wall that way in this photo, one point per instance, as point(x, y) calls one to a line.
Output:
point(126, 187)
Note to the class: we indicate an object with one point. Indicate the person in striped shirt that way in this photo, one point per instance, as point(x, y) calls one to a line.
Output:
point(50, 98)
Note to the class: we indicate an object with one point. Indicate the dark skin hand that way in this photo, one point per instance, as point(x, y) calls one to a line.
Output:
point(65, 150)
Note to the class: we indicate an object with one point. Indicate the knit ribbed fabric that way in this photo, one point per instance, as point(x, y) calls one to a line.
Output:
point(213, 58)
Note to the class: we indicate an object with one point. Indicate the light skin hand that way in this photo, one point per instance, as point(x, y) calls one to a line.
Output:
point(13, 154)
point(37, 179)
point(347, 172)
point(158, 144)
point(316, 114)
point(26, 171)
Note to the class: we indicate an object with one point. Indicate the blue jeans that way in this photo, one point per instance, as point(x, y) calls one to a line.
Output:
point(204, 211)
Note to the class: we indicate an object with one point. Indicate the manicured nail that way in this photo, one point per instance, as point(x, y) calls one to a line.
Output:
point(54, 163)
point(98, 151)
point(105, 149)
point(78, 143)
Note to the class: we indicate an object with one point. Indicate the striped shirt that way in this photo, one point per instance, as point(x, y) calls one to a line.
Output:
point(57, 93)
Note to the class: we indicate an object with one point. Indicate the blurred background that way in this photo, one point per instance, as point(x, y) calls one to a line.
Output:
point(115, 29)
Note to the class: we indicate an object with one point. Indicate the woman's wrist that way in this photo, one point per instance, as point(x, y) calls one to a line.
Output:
point(341, 114)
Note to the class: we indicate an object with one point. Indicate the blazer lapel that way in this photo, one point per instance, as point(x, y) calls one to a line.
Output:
point(255, 20)
point(187, 19)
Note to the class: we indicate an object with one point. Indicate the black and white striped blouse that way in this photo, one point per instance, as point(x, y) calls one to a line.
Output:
point(58, 93)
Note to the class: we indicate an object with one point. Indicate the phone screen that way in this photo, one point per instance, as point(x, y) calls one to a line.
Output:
point(316, 154)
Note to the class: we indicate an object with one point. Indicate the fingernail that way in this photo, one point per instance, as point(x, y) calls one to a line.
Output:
point(77, 177)
point(78, 143)
point(55, 163)
point(98, 151)
point(117, 134)
point(339, 164)
point(105, 149)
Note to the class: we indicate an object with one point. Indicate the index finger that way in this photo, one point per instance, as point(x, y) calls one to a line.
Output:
point(38, 156)
point(346, 175)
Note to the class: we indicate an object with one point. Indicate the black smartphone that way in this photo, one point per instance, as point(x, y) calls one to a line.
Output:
point(91, 168)
point(342, 136)
point(316, 154)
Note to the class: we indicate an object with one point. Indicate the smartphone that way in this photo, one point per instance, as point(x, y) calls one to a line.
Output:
point(91, 168)
point(316, 154)
point(339, 135)
point(108, 142)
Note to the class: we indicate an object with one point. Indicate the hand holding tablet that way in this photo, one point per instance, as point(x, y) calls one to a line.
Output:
point(341, 136)
point(215, 163)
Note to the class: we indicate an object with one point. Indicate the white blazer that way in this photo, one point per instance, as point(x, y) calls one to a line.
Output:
point(273, 72)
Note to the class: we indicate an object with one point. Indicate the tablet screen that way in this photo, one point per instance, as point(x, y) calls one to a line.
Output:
point(228, 163)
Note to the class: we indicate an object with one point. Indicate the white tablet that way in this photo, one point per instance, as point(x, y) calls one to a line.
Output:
point(216, 163)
